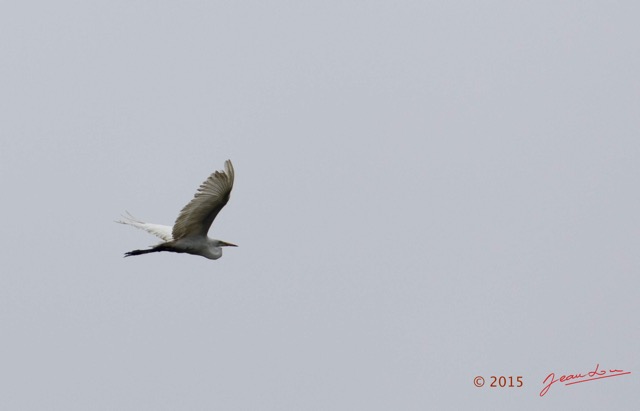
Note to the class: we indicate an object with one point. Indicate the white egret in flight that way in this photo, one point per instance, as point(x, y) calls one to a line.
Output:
point(189, 233)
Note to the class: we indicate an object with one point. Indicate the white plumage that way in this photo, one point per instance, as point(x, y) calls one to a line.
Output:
point(189, 232)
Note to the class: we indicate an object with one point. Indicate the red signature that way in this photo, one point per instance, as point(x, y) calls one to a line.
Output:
point(578, 378)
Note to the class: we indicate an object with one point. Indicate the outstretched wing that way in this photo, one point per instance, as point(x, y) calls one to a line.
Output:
point(196, 217)
point(162, 231)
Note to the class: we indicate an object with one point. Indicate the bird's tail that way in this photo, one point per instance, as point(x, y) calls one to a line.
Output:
point(162, 231)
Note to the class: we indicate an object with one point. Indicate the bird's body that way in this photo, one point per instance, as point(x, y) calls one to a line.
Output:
point(189, 233)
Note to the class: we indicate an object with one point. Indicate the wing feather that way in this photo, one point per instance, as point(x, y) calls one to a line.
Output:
point(213, 194)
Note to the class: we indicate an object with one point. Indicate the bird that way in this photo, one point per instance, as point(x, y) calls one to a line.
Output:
point(189, 232)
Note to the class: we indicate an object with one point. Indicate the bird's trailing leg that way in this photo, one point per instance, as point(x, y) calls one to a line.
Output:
point(139, 252)
point(155, 249)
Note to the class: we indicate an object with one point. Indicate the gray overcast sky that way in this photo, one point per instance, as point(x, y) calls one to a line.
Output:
point(426, 191)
